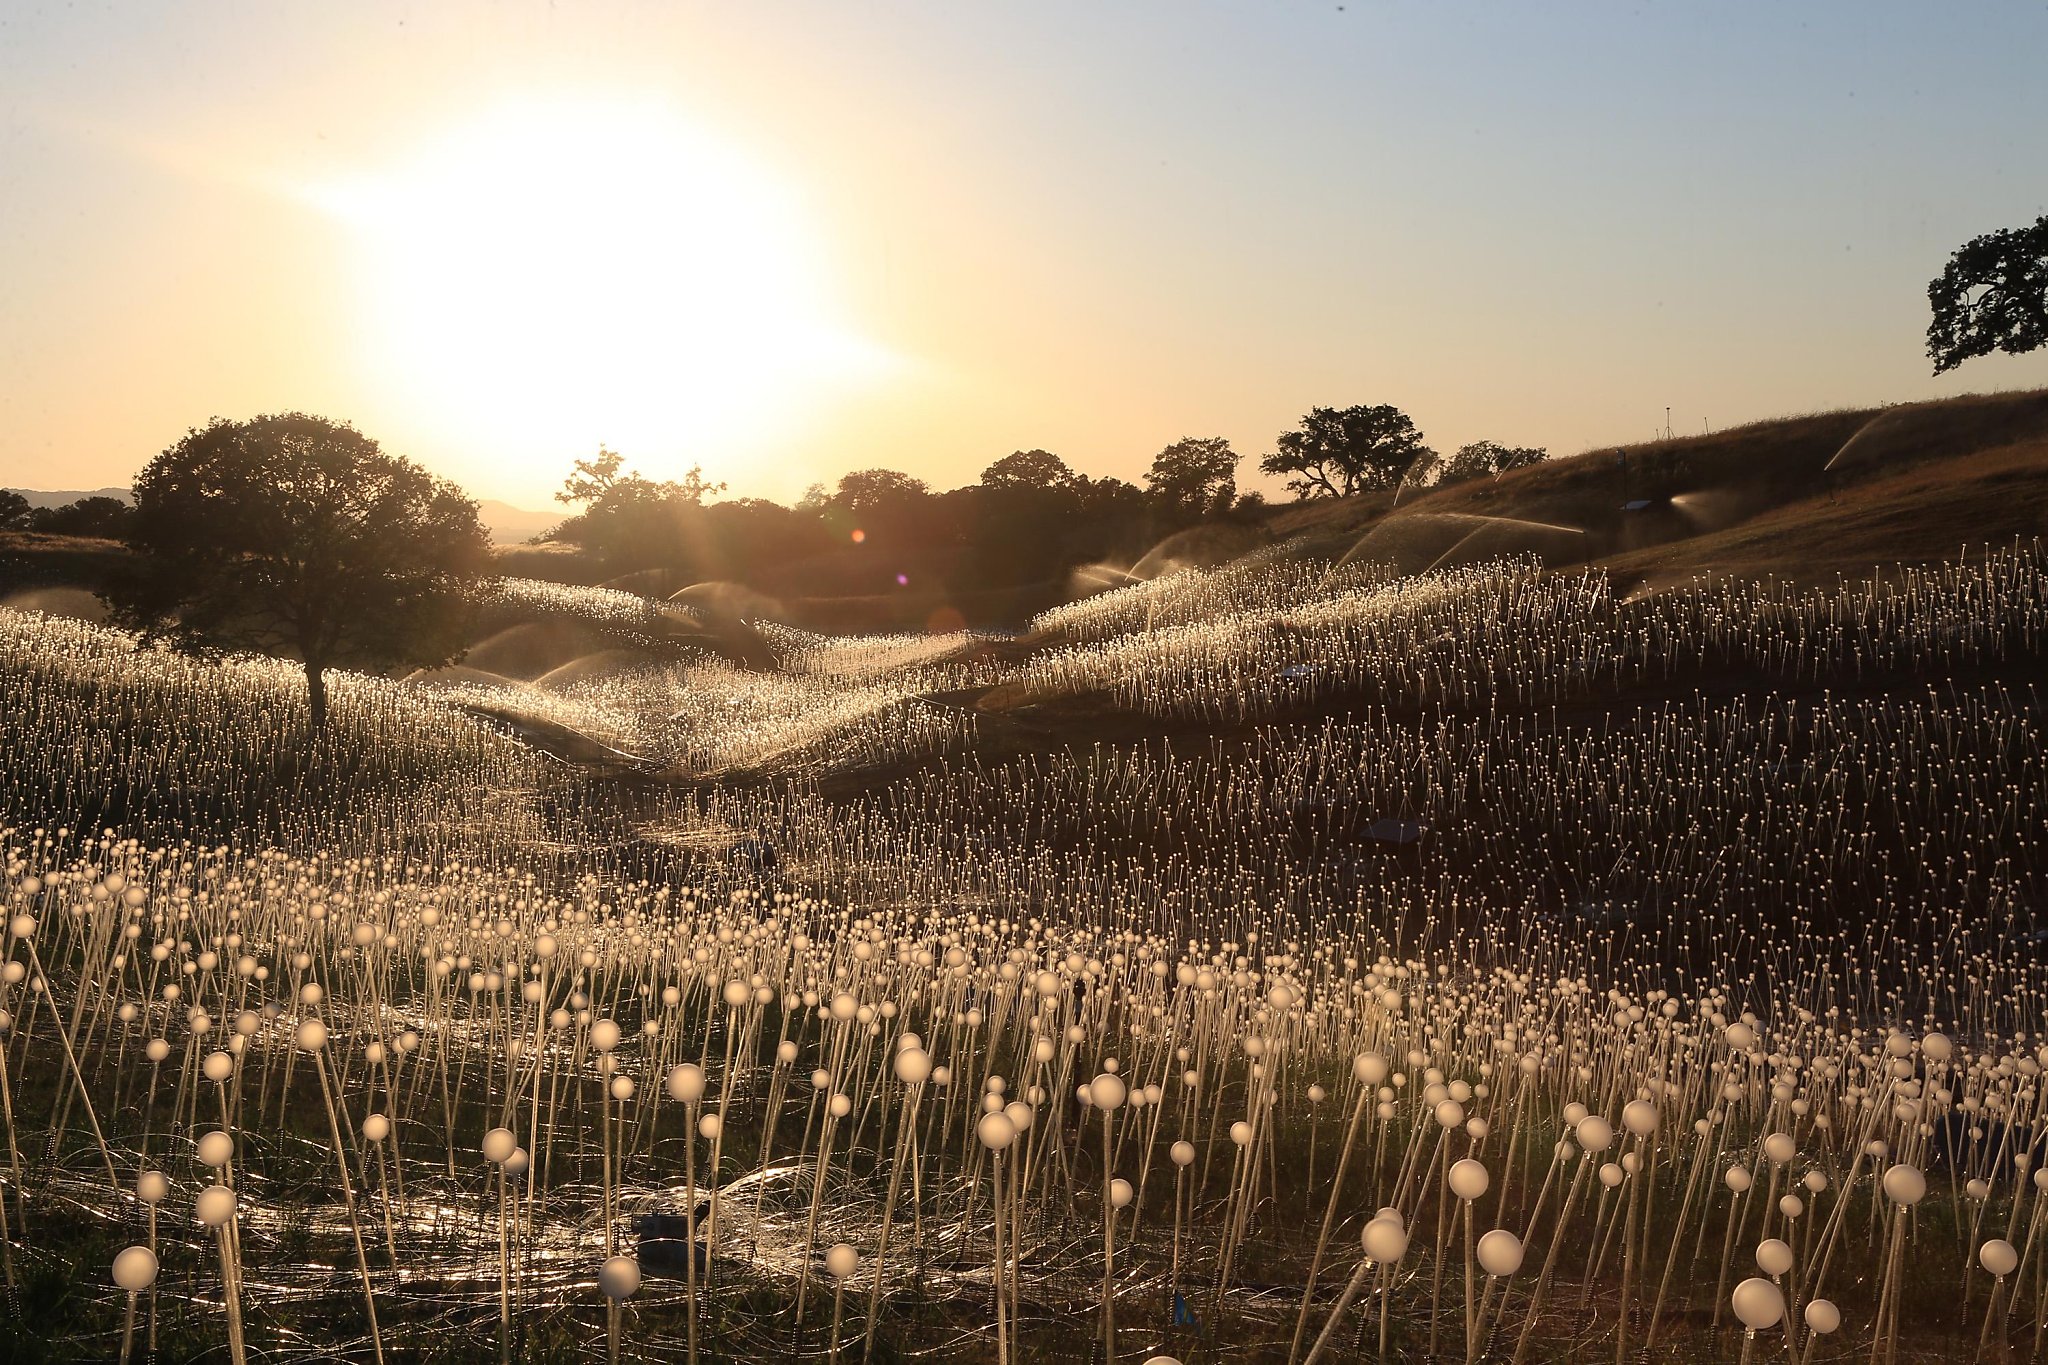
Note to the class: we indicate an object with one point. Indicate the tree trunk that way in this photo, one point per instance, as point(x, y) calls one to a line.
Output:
point(316, 694)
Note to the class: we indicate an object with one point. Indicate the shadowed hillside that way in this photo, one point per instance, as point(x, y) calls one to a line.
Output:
point(1802, 497)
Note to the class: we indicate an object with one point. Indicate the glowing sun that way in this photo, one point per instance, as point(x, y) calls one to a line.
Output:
point(561, 273)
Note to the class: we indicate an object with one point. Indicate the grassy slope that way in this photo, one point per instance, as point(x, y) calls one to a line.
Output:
point(1908, 484)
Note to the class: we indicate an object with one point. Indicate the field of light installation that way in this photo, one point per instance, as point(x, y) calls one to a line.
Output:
point(1292, 961)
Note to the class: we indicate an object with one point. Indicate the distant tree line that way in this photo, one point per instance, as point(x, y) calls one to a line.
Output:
point(1030, 518)
point(93, 516)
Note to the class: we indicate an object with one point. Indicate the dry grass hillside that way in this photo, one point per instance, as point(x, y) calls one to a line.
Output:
point(1806, 497)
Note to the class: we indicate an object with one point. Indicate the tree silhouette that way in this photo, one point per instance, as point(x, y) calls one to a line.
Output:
point(1488, 459)
point(631, 521)
point(94, 516)
point(14, 510)
point(871, 490)
point(1028, 469)
point(1335, 453)
point(1195, 474)
point(598, 482)
point(295, 536)
point(1993, 296)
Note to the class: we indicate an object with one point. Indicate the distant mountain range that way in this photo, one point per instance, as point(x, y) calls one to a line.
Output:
point(510, 525)
point(44, 498)
point(507, 524)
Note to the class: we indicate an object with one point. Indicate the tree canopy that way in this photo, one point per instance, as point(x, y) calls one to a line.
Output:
point(598, 483)
point(296, 536)
point(871, 490)
point(1195, 474)
point(1337, 452)
point(1028, 469)
point(630, 520)
point(1993, 296)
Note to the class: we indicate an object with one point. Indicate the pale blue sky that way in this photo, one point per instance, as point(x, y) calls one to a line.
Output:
point(1094, 228)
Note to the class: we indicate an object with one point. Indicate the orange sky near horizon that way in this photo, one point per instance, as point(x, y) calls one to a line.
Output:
point(789, 240)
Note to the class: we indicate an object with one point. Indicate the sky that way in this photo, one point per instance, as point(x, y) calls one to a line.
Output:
point(782, 241)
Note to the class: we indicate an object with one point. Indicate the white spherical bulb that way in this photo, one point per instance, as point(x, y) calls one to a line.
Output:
point(619, 1277)
point(312, 1035)
point(376, 1127)
point(1998, 1257)
point(1386, 1241)
point(841, 1260)
point(1773, 1257)
point(710, 1127)
point(996, 1131)
point(516, 1164)
point(215, 1205)
point(152, 1187)
point(1639, 1117)
point(1468, 1179)
point(1120, 1193)
point(1738, 1179)
point(1241, 1133)
point(498, 1144)
point(1108, 1091)
point(135, 1268)
point(216, 1149)
point(1758, 1303)
point(1822, 1316)
point(686, 1082)
point(1500, 1252)
point(913, 1066)
point(218, 1066)
point(604, 1036)
point(1905, 1185)
point(1448, 1114)
point(1369, 1067)
point(1595, 1134)
point(622, 1087)
point(1182, 1153)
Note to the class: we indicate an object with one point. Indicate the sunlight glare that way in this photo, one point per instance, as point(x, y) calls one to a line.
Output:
point(562, 273)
